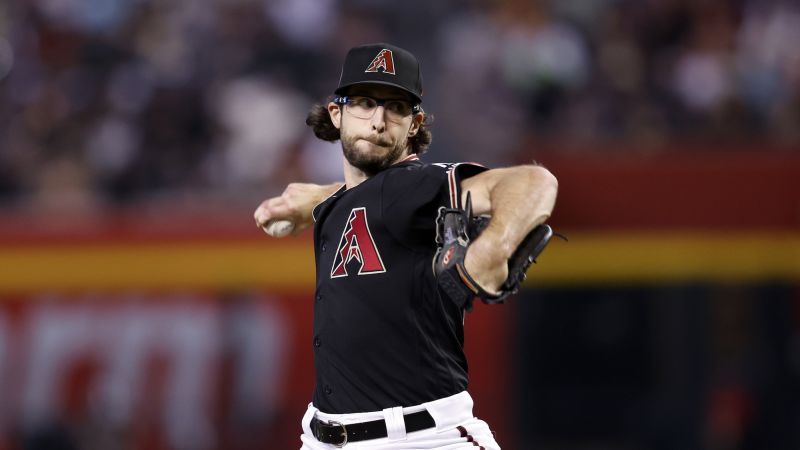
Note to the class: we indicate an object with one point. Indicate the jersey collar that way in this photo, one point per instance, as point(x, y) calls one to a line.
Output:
point(318, 209)
point(410, 159)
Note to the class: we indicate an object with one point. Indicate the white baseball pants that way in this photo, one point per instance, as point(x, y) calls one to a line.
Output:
point(456, 428)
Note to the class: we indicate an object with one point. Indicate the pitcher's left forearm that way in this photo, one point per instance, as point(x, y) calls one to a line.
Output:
point(518, 199)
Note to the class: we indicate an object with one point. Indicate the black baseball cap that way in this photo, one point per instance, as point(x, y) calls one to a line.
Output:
point(381, 64)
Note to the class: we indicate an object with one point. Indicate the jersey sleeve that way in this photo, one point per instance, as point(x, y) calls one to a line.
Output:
point(411, 198)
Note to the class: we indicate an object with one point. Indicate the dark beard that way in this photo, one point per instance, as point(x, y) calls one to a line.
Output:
point(370, 164)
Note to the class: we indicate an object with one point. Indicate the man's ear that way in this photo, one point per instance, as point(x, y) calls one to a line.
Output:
point(335, 111)
point(416, 123)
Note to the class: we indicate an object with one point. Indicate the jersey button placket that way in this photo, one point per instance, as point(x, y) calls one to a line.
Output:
point(317, 342)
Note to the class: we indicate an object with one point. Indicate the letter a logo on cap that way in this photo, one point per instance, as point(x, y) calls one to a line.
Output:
point(383, 60)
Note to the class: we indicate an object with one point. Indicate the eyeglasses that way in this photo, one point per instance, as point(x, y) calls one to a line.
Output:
point(364, 107)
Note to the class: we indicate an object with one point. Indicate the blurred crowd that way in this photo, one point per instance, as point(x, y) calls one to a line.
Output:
point(106, 103)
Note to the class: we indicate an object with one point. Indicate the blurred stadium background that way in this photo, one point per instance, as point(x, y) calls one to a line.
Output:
point(141, 309)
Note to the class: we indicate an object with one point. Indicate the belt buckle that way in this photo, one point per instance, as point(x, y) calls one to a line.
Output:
point(344, 433)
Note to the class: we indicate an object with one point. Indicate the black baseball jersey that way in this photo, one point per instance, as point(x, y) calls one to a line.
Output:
point(384, 336)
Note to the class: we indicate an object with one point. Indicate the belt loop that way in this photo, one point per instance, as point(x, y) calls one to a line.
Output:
point(395, 423)
point(310, 412)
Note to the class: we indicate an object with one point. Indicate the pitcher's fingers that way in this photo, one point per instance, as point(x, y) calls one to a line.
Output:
point(260, 214)
point(263, 213)
point(272, 209)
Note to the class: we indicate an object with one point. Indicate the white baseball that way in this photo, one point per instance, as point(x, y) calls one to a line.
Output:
point(279, 228)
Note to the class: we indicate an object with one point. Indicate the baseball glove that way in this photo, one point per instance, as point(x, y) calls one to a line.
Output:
point(455, 229)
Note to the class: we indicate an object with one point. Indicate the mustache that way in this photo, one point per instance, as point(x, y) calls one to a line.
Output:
point(382, 142)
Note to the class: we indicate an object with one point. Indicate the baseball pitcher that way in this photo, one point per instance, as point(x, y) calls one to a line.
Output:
point(402, 250)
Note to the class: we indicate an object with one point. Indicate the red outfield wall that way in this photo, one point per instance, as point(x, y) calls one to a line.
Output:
point(208, 312)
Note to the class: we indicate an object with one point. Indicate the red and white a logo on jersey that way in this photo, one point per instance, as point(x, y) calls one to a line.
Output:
point(384, 60)
point(357, 243)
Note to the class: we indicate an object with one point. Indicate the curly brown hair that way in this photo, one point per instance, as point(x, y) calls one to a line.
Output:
point(320, 121)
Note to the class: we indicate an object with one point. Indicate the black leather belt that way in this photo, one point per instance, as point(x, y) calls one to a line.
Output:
point(338, 434)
